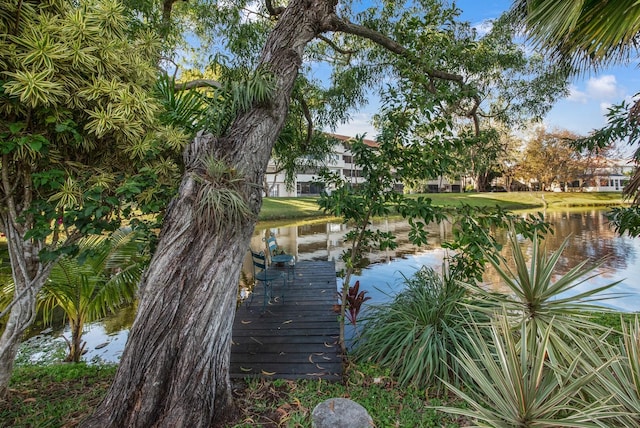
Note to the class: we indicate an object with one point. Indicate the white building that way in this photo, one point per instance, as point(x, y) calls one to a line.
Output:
point(610, 176)
point(341, 162)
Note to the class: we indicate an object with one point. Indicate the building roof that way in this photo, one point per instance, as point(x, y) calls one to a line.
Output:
point(345, 139)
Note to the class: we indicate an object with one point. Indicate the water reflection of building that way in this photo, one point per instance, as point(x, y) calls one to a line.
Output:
point(590, 237)
point(325, 240)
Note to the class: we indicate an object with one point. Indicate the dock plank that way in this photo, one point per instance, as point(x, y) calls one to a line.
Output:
point(296, 337)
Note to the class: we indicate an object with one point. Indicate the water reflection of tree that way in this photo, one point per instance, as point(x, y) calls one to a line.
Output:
point(590, 237)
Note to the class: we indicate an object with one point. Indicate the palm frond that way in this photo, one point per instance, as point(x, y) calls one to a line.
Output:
point(103, 277)
point(185, 108)
point(586, 32)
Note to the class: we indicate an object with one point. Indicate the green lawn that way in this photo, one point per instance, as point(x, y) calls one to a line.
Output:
point(289, 208)
point(274, 209)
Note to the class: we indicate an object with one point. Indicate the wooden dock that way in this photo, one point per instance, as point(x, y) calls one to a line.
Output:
point(293, 339)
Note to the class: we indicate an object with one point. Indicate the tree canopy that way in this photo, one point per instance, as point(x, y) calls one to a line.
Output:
point(82, 146)
point(549, 159)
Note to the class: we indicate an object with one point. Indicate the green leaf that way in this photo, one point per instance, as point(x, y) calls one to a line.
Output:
point(16, 127)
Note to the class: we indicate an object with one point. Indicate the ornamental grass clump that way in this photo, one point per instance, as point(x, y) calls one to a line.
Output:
point(416, 334)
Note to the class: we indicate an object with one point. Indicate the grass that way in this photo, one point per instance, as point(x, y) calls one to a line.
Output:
point(59, 395)
point(289, 404)
point(54, 395)
point(289, 208)
point(63, 394)
point(274, 209)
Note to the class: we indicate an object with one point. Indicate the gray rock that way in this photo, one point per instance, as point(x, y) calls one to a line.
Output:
point(340, 413)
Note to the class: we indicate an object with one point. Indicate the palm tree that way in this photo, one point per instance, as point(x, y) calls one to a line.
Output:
point(103, 277)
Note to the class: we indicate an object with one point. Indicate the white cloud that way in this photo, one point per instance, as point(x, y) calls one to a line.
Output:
point(359, 124)
point(483, 28)
point(576, 95)
point(604, 107)
point(603, 87)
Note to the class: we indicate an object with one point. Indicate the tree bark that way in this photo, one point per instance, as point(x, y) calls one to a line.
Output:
point(175, 368)
point(29, 275)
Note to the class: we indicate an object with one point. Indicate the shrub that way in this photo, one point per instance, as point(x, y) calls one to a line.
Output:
point(416, 334)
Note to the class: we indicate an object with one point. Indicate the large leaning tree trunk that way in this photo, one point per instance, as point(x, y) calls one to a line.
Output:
point(174, 371)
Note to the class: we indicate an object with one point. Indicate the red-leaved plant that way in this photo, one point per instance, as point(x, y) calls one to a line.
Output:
point(355, 299)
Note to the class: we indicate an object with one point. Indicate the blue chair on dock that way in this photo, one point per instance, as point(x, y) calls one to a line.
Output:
point(262, 273)
point(279, 258)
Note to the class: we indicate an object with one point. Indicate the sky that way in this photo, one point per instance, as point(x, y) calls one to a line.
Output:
point(582, 111)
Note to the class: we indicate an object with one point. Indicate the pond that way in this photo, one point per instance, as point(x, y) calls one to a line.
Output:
point(588, 231)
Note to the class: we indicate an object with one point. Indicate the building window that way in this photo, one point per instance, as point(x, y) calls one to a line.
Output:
point(275, 191)
point(309, 188)
point(347, 159)
point(354, 173)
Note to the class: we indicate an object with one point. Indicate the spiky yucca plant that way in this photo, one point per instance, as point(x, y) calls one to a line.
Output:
point(621, 378)
point(537, 295)
point(523, 386)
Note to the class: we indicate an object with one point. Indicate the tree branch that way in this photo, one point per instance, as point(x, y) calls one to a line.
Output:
point(198, 83)
point(167, 7)
point(307, 116)
point(334, 46)
point(9, 193)
point(273, 11)
point(473, 114)
point(338, 24)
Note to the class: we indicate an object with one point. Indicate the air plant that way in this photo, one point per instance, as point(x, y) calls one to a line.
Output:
point(221, 194)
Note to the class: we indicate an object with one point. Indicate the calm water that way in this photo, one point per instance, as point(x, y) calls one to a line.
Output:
point(590, 237)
